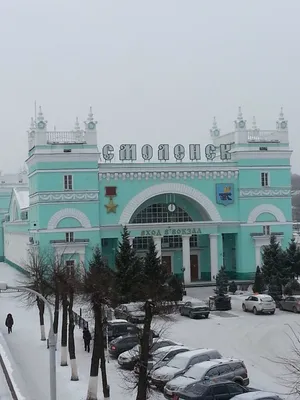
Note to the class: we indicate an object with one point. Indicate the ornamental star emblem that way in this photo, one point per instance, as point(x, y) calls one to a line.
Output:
point(111, 207)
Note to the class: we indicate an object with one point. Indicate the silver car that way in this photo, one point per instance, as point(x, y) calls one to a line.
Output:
point(259, 303)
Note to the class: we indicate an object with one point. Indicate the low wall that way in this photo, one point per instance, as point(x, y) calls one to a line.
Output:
point(16, 249)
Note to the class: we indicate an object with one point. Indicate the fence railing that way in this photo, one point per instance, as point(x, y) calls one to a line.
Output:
point(79, 321)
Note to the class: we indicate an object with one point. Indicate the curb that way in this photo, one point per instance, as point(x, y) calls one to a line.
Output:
point(11, 373)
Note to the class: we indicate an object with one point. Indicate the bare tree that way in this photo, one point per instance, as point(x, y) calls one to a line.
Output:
point(37, 277)
point(98, 286)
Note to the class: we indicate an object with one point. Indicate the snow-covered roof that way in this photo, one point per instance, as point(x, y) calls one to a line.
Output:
point(22, 196)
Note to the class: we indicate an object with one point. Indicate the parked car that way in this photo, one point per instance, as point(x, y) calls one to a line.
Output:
point(290, 303)
point(121, 344)
point(259, 303)
point(128, 359)
point(132, 312)
point(119, 327)
point(161, 357)
point(210, 390)
point(194, 309)
point(260, 395)
point(225, 368)
point(180, 364)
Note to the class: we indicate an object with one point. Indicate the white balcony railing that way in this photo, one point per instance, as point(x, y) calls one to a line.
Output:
point(61, 137)
point(252, 136)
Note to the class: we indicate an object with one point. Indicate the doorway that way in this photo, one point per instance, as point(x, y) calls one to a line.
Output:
point(194, 267)
point(167, 262)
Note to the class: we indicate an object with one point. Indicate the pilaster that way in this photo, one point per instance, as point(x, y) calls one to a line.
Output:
point(186, 259)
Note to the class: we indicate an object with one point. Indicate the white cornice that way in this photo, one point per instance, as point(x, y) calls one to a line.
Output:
point(62, 157)
point(166, 167)
point(279, 154)
point(65, 170)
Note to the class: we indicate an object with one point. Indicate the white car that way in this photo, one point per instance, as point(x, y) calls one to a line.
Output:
point(259, 303)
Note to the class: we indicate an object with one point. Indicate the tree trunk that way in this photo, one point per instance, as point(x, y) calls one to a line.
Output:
point(71, 341)
point(105, 385)
point(93, 381)
point(41, 307)
point(56, 312)
point(64, 331)
point(144, 355)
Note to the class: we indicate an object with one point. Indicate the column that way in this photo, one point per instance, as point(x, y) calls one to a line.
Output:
point(131, 241)
point(157, 242)
point(186, 258)
point(257, 255)
point(214, 259)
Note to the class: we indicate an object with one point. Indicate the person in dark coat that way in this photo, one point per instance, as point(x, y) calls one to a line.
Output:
point(9, 323)
point(87, 337)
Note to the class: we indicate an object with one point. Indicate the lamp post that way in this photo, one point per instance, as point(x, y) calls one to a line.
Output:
point(52, 341)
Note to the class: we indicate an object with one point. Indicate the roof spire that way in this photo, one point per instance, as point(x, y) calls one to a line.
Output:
point(40, 114)
point(240, 114)
point(254, 126)
point(214, 125)
point(281, 115)
point(90, 115)
point(32, 124)
point(76, 126)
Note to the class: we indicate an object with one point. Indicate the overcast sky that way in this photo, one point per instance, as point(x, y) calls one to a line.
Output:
point(154, 71)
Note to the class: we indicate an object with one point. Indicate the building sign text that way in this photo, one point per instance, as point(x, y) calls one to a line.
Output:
point(170, 232)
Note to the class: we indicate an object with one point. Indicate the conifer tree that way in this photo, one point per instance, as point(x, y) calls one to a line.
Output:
point(221, 282)
point(258, 286)
point(292, 259)
point(273, 263)
point(128, 270)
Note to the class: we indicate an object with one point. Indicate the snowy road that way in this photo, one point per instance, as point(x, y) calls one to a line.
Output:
point(258, 340)
point(4, 390)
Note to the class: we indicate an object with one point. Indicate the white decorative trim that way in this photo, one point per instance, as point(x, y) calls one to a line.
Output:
point(59, 171)
point(69, 213)
point(161, 175)
point(266, 208)
point(64, 197)
point(62, 157)
point(176, 188)
point(265, 192)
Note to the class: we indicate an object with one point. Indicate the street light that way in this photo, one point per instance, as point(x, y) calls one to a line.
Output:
point(52, 341)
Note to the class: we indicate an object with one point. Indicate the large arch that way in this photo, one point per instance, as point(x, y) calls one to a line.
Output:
point(165, 188)
point(266, 208)
point(69, 213)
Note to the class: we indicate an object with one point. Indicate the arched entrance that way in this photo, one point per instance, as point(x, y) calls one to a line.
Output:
point(179, 248)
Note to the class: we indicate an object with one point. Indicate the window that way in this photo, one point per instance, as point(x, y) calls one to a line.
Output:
point(69, 237)
point(267, 230)
point(264, 178)
point(224, 369)
point(220, 390)
point(212, 372)
point(159, 213)
point(68, 182)
point(70, 264)
point(235, 389)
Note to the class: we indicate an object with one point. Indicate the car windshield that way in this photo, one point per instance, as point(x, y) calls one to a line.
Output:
point(195, 372)
point(159, 356)
point(198, 304)
point(134, 307)
point(179, 362)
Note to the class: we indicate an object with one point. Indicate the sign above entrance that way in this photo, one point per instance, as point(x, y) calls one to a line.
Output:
point(128, 152)
point(171, 232)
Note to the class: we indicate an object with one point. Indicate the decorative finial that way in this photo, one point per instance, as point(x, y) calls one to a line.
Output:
point(54, 128)
point(40, 114)
point(214, 125)
point(32, 124)
point(254, 126)
point(281, 115)
point(90, 115)
point(77, 126)
point(240, 114)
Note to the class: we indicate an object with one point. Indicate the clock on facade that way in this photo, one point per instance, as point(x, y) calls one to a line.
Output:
point(283, 125)
point(91, 125)
point(216, 132)
point(242, 124)
point(171, 207)
point(41, 125)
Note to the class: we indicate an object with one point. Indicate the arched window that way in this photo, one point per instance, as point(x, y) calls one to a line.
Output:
point(159, 213)
point(167, 242)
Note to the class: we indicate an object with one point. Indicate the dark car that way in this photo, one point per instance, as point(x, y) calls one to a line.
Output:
point(211, 390)
point(290, 303)
point(121, 344)
point(194, 309)
point(132, 312)
point(257, 395)
point(118, 327)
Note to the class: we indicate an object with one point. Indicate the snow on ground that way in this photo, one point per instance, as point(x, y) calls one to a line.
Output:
point(258, 340)
point(4, 390)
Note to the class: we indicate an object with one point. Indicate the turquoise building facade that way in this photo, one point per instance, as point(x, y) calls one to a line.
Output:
point(202, 214)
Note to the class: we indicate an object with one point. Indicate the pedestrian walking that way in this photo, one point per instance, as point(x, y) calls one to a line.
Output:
point(9, 322)
point(87, 337)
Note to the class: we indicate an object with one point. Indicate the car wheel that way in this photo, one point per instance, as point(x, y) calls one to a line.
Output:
point(280, 306)
point(181, 313)
point(244, 307)
point(191, 315)
point(295, 310)
point(272, 312)
point(254, 310)
point(206, 315)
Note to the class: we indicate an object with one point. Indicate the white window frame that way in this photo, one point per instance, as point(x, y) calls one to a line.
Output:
point(68, 182)
point(267, 230)
point(69, 237)
point(264, 176)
